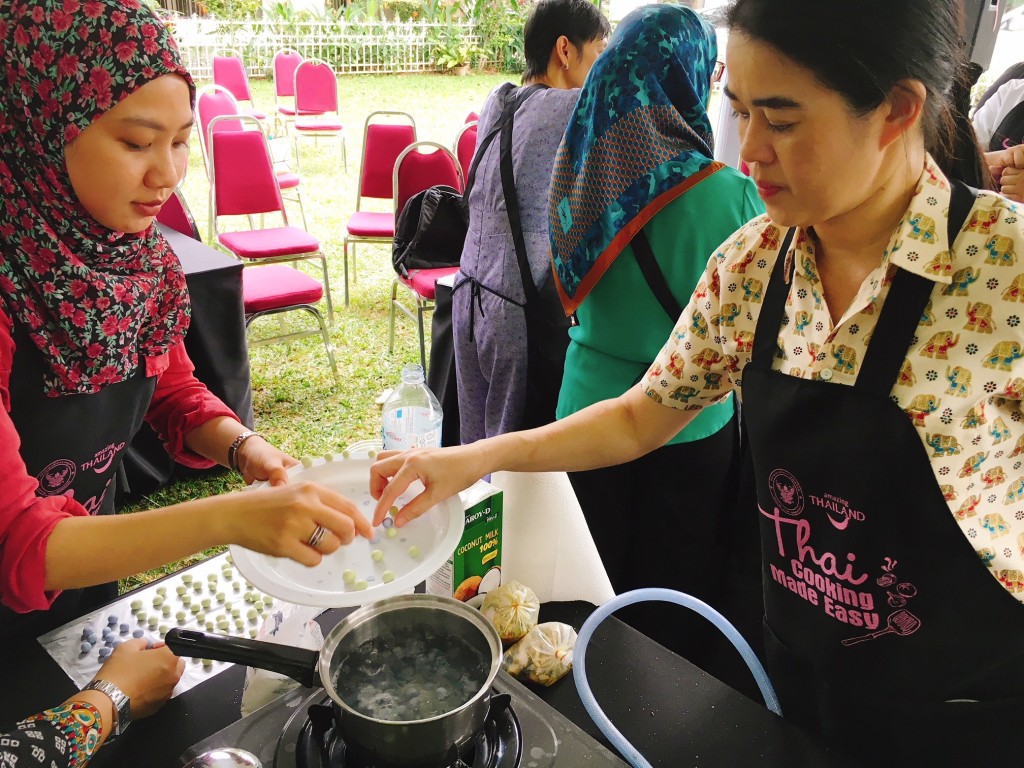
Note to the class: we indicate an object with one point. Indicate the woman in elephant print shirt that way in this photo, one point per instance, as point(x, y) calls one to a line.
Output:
point(960, 384)
point(871, 325)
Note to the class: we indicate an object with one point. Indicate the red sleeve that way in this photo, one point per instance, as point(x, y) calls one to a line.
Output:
point(25, 519)
point(180, 404)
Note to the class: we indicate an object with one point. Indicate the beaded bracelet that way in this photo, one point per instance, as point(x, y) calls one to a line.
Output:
point(236, 444)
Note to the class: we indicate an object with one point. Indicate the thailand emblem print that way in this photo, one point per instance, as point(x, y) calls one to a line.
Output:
point(786, 492)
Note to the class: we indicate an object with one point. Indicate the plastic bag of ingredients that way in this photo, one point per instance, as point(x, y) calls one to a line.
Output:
point(287, 624)
point(513, 609)
point(544, 656)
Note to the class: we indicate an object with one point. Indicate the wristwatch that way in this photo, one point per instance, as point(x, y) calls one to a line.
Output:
point(122, 704)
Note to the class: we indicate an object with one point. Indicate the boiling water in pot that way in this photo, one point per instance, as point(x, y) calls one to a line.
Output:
point(415, 676)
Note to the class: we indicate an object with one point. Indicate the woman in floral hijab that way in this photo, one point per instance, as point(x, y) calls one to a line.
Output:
point(95, 116)
point(126, 289)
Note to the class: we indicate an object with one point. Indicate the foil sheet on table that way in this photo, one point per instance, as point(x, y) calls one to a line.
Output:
point(64, 644)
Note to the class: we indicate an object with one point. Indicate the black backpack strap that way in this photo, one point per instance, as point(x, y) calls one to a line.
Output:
point(481, 147)
point(961, 202)
point(508, 188)
point(654, 276)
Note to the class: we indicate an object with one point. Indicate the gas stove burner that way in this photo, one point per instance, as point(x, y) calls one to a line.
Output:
point(528, 734)
point(317, 744)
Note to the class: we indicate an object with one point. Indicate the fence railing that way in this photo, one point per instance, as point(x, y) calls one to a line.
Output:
point(349, 47)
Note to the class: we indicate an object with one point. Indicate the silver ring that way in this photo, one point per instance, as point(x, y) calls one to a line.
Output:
point(318, 535)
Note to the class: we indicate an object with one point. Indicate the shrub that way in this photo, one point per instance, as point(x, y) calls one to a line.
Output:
point(499, 24)
point(402, 10)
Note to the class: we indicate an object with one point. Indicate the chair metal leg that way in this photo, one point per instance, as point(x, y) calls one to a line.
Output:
point(327, 342)
point(394, 300)
point(344, 153)
point(422, 307)
point(209, 232)
point(302, 208)
point(423, 348)
point(345, 252)
point(327, 289)
point(289, 337)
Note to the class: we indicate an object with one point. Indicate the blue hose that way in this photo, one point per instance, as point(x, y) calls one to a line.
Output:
point(579, 664)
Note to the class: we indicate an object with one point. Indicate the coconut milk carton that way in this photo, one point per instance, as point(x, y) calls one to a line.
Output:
point(475, 566)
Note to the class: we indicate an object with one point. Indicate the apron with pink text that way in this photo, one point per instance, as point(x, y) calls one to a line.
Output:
point(73, 445)
point(885, 633)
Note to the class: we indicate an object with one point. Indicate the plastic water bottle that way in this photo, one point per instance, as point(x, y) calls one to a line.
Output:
point(412, 414)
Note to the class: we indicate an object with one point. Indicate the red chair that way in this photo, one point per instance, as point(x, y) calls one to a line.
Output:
point(472, 117)
point(286, 61)
point(465, 147)
point(269, 290)
point(316, 105)
point(214, 101)
point(420, 170)
point(277, 288)
point(242, 183)
point(229, 72)
point(176, 215)
point(414, 172)
point(382, 144)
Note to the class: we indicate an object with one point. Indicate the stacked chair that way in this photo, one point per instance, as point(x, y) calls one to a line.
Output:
point(229, 72)
point(316, 105)
point(214, 101)
point(286, 61)
point(465, 146)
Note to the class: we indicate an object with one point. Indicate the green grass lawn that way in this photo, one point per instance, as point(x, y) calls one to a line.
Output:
point(297, 404)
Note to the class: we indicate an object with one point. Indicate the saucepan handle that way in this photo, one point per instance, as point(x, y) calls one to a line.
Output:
point(299, 664)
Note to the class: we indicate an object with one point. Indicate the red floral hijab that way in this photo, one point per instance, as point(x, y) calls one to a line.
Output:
point(95, 302)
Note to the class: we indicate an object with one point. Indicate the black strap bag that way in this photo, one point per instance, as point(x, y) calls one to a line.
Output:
point(431, 227)
point(430, 230)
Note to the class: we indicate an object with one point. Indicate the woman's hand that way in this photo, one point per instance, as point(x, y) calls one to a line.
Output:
point(442, 471)
point(259, 460)
point(147, 677)
point(1005, 161)
point(1011, 184)
point(281, 520)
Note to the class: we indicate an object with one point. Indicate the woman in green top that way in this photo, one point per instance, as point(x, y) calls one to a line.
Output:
point(634, 177)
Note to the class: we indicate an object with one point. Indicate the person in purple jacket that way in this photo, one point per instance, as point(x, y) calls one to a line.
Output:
point(509, 329)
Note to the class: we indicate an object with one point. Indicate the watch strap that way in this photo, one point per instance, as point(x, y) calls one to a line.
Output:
point(235, 445)
point(121, 702)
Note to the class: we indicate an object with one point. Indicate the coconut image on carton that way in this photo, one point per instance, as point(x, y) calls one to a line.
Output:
point(473, 588)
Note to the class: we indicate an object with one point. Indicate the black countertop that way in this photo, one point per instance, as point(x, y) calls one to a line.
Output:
point(671, 711)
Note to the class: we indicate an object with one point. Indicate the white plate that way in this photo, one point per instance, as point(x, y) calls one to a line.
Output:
point(436, 533)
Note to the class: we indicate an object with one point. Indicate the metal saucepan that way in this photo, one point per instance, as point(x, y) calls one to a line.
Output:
point(226, 757)
point(427, 741)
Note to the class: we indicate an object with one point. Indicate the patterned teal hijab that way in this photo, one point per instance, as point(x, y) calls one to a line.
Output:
point(640, 137)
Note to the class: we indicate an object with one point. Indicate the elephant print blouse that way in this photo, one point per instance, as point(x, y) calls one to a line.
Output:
point(963, 378)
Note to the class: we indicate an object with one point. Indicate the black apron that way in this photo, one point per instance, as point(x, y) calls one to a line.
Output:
point(73, 445)
point(547, 327)
point(885, 633)
point(1010, 130)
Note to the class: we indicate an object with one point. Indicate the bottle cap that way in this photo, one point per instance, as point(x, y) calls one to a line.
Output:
point(412, 374)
